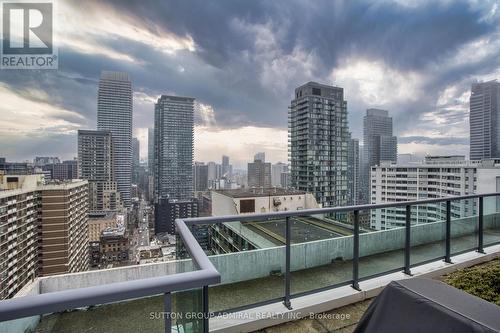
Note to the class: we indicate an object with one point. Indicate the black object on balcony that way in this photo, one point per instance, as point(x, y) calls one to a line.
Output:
point(424, 305)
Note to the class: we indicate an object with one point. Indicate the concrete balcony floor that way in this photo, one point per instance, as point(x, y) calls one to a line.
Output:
point(344, 320)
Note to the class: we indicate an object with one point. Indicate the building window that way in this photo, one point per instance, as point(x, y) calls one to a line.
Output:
point(247, 206)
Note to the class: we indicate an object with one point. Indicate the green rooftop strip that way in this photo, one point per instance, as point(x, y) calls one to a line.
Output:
point(481, 280)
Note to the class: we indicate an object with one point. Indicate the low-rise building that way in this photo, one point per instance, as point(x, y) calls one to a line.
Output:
point(167, 210)
point(114, 245)
point(99, 221)
point(242, 236)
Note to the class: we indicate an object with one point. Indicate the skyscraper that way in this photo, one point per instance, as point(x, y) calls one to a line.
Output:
point(151, 149)
point(226, 167)
point(353, 171)
point(378, 144)
point(200, 171)
point(318, 143)
point(136, 152)
point(213, 171)
point(136, 159)
point(59, 254)
point(174, 122)
point(484, 120)
point(259, 174)
point(96, 164)
point(276, 171)
point(114, 113)
point(260, 156)
point(173, 177)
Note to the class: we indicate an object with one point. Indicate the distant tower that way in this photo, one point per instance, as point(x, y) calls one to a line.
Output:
point(318, 141)
point(151, 145)
point(276, 171)
point(114, 113)
point(261, 156)
point(225, 167)
point(353, 171)
point(174, 125)
point(259, 174)
point(484, 120)
point(136, 152)
point(96, 160)
point(378, 144)
point(200, 174)
point(173, 170)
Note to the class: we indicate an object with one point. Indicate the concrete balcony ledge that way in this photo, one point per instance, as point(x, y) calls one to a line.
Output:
point(276, 313)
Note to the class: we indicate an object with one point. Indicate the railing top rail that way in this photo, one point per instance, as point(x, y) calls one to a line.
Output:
point(119, 291)
point(27, 306)
point(199, 257)
point(317, 211)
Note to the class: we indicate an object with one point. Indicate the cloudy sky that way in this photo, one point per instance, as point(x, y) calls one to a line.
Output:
point(241, 60)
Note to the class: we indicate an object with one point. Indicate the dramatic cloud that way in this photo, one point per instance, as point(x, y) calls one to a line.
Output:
point(242, 60)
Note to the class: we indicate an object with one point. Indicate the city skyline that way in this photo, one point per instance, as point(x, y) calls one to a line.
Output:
point(425, 85)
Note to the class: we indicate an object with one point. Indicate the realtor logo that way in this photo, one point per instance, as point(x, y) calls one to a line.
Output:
point(27, 36)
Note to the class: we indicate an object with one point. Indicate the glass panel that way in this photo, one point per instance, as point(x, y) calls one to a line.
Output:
point(491, 220)
point(250, 259)
point(187, 311)
point(321, 252)
point(381, 241)
point(21, 325)
point(183, 261)
point(464, 225)
point(138, 315)
point(427, 232)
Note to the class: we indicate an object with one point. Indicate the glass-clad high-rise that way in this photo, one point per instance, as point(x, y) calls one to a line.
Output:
point(114, 113)
point(378, 145)
point(318, 139)
point(484, 119)
point(174, 126)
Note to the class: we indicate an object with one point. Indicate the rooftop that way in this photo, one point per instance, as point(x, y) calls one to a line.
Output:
point(102, 215)
point(113, 232)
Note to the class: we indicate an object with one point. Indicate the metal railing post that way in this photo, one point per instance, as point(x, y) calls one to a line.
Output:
point(355, 253)
point(167, 312)
point(447, 257)
point(480, 239)
point(288, 237)
point(206, 315)
point(407, 270)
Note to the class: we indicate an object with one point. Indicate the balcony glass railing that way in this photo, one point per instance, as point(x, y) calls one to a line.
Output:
point(491, 217)
point(380, 250)
point(427, 234)
point(243, 261)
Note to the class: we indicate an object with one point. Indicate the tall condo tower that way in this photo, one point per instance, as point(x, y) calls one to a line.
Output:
point(318, 142)
point(114, 114)
point(96, 157)
point(484, 119)
point(174, 123)
point(378, 144)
